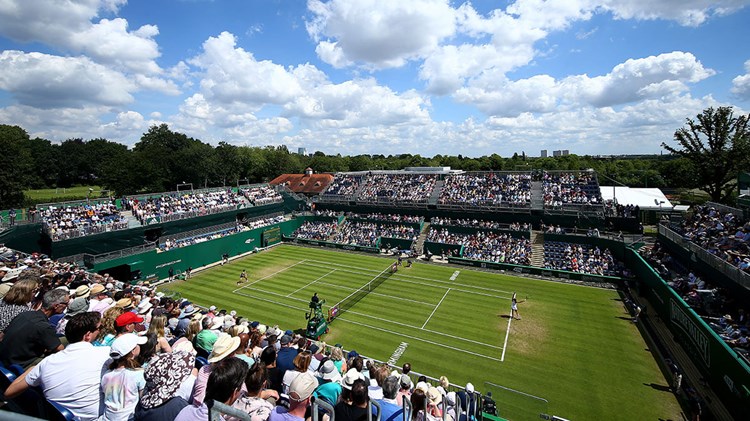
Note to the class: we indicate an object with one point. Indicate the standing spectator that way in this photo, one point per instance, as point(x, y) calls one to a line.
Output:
point(171, 273)
point(30, 336)
point(124, 382)
point(12, 216)
point(72, 377)
point(164, 375)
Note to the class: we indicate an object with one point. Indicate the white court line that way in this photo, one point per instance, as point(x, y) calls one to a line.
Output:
point(266, 277)
point(421, 340)
point(377, 328)
point(398, 278)
point(436, 307)
point(300, 289)
point(377, 293)
point(371, 317)
point(507, 332)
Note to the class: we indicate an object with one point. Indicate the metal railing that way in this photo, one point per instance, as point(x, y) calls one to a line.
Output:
point(91, 259)
point(732, 272)
point(192, 214)
point(724, 208)
point(84, 231)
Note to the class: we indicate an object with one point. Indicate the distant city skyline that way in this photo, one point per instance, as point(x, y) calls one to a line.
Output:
point(379, 77)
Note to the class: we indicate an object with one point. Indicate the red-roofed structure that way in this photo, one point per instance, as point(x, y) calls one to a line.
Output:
point(309, 184)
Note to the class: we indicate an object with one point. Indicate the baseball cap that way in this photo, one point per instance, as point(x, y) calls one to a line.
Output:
point(124, 344)
point(127, 318)
point(302, 387)
point(286, 340)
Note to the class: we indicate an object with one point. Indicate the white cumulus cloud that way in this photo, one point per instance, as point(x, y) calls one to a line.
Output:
point(378, 33)
point(741, 83)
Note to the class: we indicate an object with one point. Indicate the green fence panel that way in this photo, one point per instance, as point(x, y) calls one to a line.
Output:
point(721, 366)
point(532, 270)
point(332, 245)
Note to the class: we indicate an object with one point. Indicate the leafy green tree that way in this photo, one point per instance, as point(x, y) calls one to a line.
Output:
point(717, 143)
point(16, 165)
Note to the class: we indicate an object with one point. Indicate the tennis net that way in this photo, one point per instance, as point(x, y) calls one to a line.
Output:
point(353, 298)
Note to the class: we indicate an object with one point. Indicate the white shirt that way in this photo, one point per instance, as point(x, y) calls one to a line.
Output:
point(72, 378)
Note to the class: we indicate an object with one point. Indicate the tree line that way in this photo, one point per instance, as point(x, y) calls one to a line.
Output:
point(708, 154)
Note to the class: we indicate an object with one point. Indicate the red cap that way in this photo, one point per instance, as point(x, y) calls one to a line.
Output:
point(128, 318)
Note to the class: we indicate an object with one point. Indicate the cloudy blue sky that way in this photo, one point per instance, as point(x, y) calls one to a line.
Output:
point(375, 76)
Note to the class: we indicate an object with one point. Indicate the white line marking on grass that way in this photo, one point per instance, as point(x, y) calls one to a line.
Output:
point(268, 276)
point(420, 339)
point(376, 293)
point(436, 307)
point(507, 332)
point(455, 275)
point(400, 278)
point(261, 291)
point(300, 289)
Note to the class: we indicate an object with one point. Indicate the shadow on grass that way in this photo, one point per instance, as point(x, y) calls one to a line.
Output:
point(630, 319)
point(660, 387)
point(616, 299)
point(504, 316)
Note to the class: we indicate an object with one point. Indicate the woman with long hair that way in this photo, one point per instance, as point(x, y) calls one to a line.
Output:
point(157, 328)
point(337, 356)
point(107, 330)
point(123, 384)
point(253, 402)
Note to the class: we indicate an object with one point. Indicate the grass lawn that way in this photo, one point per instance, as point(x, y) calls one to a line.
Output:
point(70, 193)
point(575, 347)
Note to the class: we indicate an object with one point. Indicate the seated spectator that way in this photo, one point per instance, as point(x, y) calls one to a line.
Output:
point(389, 407)
point(330, 388)
point(486, 189)
point(300, 392)
point(413, 188)
point(123, 383)
point(71, 377)
point(223, 348)
point(107, 327)
point(224, 385)
point(343, 185)
point(16, 301)
point(356, 409)
point(164, 375)
point(30, 336)
point(301, 365)
point(252, 401)
point(315, 230)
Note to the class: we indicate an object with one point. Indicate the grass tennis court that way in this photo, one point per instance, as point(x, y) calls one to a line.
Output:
point(575, 346)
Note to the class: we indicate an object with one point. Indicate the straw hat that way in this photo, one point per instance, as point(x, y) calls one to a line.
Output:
point(224, 346)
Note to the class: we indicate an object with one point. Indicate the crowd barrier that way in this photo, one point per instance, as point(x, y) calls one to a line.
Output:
point(349, 247)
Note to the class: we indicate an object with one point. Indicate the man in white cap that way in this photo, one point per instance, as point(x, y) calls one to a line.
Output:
point(300, 391)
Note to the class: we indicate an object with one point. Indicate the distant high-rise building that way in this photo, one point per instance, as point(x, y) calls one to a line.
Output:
point(544, 153)
point(565, 152)
point(556, 153)
point(302, 151)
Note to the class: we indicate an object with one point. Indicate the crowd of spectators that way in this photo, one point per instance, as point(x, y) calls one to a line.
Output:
point(316, 230)
point(69, 221)
point(177, 205)
point(386, 217)
point(262, 195)
point(486, 246)
point(570, 188)
point(170, 244)
point(343, 185)
point(477, 223)
point(366, 234)
point(715, 305)
point(413, 188)
point(486, 189)
point(721, 233)
point(130, 353)
point(621, 211)
point(581, 258)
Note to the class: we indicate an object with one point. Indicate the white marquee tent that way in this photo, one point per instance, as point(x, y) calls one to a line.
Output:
point(646, 199)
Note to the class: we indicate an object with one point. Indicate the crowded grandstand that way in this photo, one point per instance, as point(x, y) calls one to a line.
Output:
point(557, 226)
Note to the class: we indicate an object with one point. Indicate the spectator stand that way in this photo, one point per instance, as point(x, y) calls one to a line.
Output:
point(172, 206)
point(572, 192)
point(343, 188)
point(397, 188)
point(487, 191)
point(716, 239)
point(67, 220)
point(260, 195)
